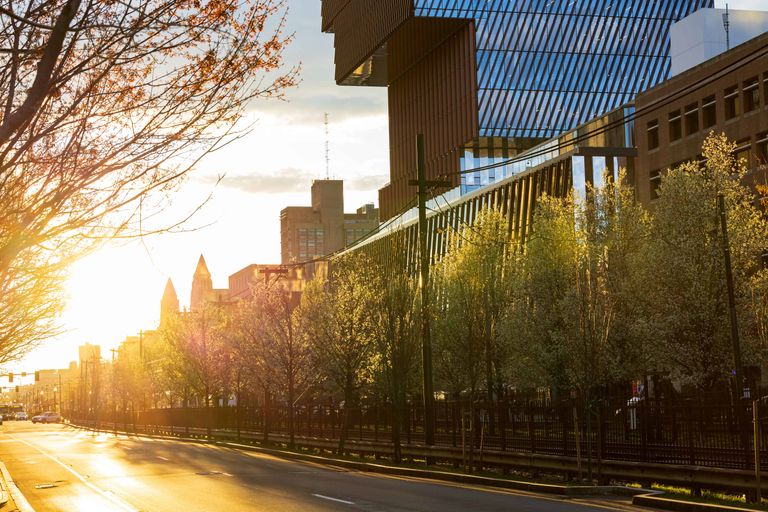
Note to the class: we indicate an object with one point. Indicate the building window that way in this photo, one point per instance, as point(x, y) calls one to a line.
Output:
point(675, 125)
point(751, 95)
point(692, 119)
point(709, 112)
point(653, 134)
point(765, 88)
point(655, 179)
point(741, 152)
point(761, 149)
point(732, 107)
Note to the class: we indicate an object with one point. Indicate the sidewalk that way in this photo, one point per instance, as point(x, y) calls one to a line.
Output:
point(11, 498)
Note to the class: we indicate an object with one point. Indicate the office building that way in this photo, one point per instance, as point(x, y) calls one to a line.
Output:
point(487, 80)
point(726, 94)
point(310, 232)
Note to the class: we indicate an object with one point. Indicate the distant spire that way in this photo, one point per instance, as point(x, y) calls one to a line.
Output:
point(202, 268)
point(169, 305)
point(202, 286)
point(170, 292)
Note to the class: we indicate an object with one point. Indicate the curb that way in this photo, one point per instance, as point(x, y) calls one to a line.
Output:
point(22, 505)
point(540, 488)
point(3, 484)
point(662, 503)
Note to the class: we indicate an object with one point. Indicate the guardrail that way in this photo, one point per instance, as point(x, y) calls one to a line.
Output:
point(694, 477)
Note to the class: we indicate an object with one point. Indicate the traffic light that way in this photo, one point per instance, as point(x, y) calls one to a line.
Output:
point(17, 389)
point(23, 374)
point(37, 376)
point(10, 378)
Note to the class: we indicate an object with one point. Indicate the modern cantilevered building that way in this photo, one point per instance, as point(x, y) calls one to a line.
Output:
point(484, 80)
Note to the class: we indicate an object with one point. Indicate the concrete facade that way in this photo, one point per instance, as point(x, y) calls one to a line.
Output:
point(310, 232)
point(727, 94)
point(701, 36)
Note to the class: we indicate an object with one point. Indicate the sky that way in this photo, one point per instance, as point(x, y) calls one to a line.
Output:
point(116, 291)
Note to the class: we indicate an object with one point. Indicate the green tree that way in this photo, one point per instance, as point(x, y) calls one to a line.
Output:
point(338, 318)
point(571, 321)
point(473, 285)
point(685, 267)
point(396, 331)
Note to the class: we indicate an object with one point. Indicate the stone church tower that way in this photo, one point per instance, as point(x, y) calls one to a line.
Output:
point(169, 305)
point(202, 286)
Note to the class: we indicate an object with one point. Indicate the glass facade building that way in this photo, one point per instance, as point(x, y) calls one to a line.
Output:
point(546, 66)
point(484, 80)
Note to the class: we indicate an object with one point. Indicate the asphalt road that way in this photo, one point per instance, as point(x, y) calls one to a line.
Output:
point(59, 468)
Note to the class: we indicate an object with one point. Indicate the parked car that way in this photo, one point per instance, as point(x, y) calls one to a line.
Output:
point(47, 417)
point(9, 416)
point(21, 416)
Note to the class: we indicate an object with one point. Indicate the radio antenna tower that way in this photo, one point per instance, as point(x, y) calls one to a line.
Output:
point(327, 150)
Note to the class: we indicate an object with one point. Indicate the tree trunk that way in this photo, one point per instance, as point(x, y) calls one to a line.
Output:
point(208, 413)
point(398, 404)
point(238, 395)
point(489, 379)
point(291, 426)
point(345, 426)
point(472, 431)
point(265, 432)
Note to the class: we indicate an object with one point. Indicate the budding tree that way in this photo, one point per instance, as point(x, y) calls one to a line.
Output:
point(104, 107)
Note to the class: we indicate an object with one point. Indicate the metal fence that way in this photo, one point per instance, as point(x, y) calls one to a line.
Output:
point(691, 433)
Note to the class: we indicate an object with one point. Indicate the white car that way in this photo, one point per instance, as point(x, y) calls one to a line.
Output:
point(21, 416)
point(47, 417)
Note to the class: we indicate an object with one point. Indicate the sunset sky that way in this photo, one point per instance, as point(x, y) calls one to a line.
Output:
point(115, 292)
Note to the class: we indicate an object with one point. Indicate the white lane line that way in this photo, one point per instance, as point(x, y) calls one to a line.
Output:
point(162, 458)
point(105, 494)
point(337, 500)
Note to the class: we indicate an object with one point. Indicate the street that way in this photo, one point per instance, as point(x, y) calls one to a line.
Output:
point(60, 468)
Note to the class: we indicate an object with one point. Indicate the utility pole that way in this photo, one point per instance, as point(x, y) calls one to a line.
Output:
point(327, 149)
point(426, 339)
point(731, 298)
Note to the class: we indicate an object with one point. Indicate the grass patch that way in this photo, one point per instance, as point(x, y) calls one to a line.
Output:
point(710, 497)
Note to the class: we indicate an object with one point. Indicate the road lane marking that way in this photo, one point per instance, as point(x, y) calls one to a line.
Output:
point(104, 494)
point(162, 458)
point(500, 490)
point(337, 500)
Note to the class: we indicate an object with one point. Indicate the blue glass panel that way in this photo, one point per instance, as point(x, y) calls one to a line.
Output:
point(546, 66)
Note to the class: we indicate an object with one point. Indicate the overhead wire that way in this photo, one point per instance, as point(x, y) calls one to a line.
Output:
point(656, 104)
point(542, 151)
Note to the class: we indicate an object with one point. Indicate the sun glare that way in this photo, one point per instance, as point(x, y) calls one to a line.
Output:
point(109, 295)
